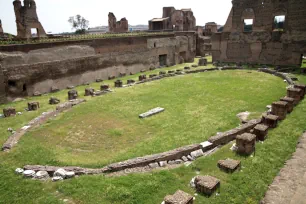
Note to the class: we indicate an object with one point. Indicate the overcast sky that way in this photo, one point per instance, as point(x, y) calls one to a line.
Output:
point(54, 14)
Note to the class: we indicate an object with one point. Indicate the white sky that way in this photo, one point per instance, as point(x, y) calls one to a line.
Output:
point(54, 14)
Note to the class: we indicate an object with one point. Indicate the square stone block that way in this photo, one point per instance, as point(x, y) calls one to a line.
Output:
point(207, 184)
point(303, 88)
point(33, 106)
point(270, 120)
point(229, 165)
point(8, 112)
point(104, 87)
point(290, 102)
point(89, 92)
point(261, 132)
point(295, 93)
point(130, 81)
point(72, 94)
point(280, 109)
point(142, 77)
point(118, 83)
point(246, 143)
point(180, 197)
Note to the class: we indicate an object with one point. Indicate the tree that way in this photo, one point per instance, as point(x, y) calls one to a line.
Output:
point(79, 23)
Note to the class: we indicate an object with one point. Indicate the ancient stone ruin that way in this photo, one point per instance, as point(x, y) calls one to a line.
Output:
point(115, 26)
point(1, 30)
point(263, 32)
point(204, 43)
point(177, 20)
point(27, 20)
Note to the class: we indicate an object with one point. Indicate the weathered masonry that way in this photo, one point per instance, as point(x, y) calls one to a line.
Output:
point(263, 32)
point(29, 68)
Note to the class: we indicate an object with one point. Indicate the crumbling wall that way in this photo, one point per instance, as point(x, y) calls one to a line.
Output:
point(27, 19)
point(41, 67)
point(117, 26)
point(1, 29)
point(264, 44)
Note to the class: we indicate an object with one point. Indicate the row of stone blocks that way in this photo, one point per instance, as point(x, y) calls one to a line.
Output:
point(10, 111)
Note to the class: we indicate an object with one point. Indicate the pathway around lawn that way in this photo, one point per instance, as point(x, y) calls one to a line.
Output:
point(289, 186)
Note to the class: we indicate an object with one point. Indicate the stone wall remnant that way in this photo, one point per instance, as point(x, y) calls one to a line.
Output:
point(27, 19)
point(275, 35)
point(177, 20)
point(115, 26)
point(1, 30)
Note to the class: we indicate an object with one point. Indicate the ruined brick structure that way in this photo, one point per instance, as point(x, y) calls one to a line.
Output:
point(29, 68)
point(27, 19)
point(264, 41)
point(177, 20)
point(204, 43)
point(117, 26)
point(1, 29)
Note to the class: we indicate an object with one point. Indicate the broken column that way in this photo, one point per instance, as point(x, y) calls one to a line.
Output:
point(290, 102)
point(89, 92)
point(261, 132)
point(33, 106)
point(72, 94)
point(202, 62)
point(206, 184)
point(280, 109)
point(270, 120)
point(8, 112)
point(246, 143)
point(294, 93)
point(303, 88)
point(118, 83)
point(180, 197)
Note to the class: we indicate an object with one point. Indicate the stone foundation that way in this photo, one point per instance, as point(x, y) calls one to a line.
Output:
point(207, 184)
point(180, 197)
point(33, 106)
point(295, 93)
point(89, 92)
point(8, 112)
point(261, 132)
point(280, 109)
point(290, 102)
point(303, 88)
point(246, 143)
point(229, 165)
point(270, 120)
point(72, 94)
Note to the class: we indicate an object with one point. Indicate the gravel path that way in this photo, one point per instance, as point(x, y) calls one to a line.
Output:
point(289, 187)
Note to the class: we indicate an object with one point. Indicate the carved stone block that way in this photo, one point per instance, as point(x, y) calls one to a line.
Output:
point(270, 120)
point(246, 143)
point(180, 197)
point(8, 112)
point(72, 94)
point(89, 91)
point(229, 165)
point(290, 102)
point(261, 132)
point(295, 93)
point(33, 106)
point(280, 109)
point(206, 184)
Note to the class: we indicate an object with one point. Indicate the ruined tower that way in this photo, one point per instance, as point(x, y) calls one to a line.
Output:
point(1, 29)
point(117, 26)
point(27, 19)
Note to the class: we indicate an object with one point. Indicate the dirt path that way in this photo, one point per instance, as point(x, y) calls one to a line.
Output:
point(289, 187)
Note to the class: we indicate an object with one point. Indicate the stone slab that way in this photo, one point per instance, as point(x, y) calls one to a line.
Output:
point(151, 112)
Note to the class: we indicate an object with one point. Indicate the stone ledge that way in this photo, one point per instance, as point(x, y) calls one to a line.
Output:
point(226, 137)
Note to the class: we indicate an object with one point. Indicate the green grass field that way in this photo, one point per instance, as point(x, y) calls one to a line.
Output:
point(107, 129)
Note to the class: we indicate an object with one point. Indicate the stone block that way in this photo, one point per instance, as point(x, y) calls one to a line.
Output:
point(302, 87)
point(142, 77)
point(295, 93)
point(246, 143)
point(270, 120)
point(104, 87)
point(229, 165)
point(162, 73)
point(187, 68)
point(171, 71)
point(202, 62)
point(8, 112)
point(290, 102)
point(261, 131)
point(33, 106)
point(206, 184)
point(151, 112)
point(99, 80)
point(111, 77)
point(118, 83)
point(89, 91)
point(180, 197)
point(72, 94)
point(280, 109)
point(54, 101)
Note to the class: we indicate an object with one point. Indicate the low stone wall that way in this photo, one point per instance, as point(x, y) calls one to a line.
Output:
point(279, 74)
point(226, 137)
